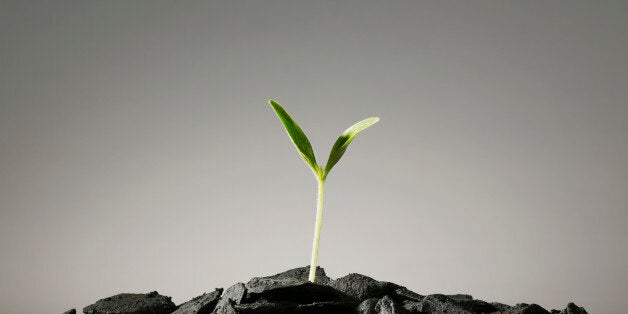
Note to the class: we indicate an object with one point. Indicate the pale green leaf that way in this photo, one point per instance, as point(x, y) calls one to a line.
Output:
point(344, 140)
point(297, 136)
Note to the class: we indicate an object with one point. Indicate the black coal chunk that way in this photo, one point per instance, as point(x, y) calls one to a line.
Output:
point(500, 306)
point(462, 304)
point(203, 304)
point(363, 287)
point(573, 309)
point(293, 286)
point(460, 297)
point(264, 306)
point(384, 305)
point(232, 296)
point(325, 307)
point(72, 311)
point(132, 303)
point(412, 306)
point(524, 308)
point(303, 274)
point(403, 294)
point(292, 277)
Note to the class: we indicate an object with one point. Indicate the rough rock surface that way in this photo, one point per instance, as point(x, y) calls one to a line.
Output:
point(203, 304)
point(573, 309)
point(293, 286)
point(523, 308)
point(300, 274)
point(132, 303)
point(291, 292)
point(232, 296)
point(403, 294)
point(439, 303)
point(386, 305)
point(362, 287)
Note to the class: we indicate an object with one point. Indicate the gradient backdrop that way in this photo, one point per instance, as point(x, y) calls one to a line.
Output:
point(138, 151)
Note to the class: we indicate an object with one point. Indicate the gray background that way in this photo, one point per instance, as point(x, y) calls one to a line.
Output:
point(138, 151)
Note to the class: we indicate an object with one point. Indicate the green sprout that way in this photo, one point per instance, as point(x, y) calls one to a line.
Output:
point(304, 147)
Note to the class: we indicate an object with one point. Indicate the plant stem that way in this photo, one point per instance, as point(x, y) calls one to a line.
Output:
point(317, 227)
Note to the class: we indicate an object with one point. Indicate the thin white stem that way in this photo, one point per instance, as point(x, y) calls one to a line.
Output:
point(317, 227)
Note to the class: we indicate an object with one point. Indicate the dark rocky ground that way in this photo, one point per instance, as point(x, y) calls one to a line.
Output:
point(291, 292)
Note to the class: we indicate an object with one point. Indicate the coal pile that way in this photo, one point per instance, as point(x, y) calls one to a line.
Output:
point(291, 292)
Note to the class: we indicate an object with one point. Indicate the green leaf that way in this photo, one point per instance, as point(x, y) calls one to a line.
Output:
point(297, 136)
point(344, 140)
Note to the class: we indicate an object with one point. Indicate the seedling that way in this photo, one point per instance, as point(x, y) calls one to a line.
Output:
point(304, 148)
